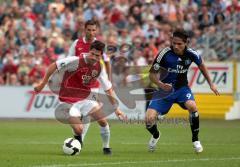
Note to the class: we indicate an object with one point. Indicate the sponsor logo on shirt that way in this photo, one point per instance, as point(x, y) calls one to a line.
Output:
point(87, 78)
point(179, 69)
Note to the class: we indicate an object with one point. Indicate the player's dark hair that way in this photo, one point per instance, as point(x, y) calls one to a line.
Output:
point(181, 33)
point(92, 22)
point(98, 45)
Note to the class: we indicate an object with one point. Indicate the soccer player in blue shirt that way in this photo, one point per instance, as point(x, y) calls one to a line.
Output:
point(175, 61)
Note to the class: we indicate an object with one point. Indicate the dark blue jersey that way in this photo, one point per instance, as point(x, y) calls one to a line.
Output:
point(174, 68)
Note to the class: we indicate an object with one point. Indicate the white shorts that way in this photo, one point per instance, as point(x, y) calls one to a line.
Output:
point(82, 108)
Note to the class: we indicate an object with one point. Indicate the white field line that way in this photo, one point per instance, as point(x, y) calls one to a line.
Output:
point(32, 142)
point(141, 162)
point(171, 143)
point(123, 143)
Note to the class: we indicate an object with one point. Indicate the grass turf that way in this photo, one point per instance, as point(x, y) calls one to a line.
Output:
point(32, 143)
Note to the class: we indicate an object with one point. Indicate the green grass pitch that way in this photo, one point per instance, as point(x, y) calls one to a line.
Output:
point(38, 143)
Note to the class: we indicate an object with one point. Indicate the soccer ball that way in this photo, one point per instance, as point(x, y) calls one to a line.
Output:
point(71, 146)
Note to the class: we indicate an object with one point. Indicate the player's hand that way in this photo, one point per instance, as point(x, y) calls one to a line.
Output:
point(166, 87)
point(120, 115)
point(39, 87)
point(214, 89)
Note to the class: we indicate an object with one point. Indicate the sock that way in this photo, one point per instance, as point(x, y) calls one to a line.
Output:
point(105, 134)
point(79, 138)
point(85, 129)
point(194, 123)
point(153, 130)
point(86, 123)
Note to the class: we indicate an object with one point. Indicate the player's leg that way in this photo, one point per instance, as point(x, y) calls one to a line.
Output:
point(75, 122)
point(150, 120)
point(79, 118)
point(155, 108)
point(148, 92)
point(193, 118)
point(151, 125)
point(194, 123)
point(100, 117)
point(77, 128)
point(105, 134)
point(86, 120)
point(186, 101)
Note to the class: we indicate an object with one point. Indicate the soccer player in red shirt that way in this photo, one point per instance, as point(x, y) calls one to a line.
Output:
point(81, 46)
point(81, 75)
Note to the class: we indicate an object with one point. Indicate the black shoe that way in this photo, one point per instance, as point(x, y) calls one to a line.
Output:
point(107, 151)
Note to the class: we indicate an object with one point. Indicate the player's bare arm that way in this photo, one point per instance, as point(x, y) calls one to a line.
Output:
point(108, 69)
point(113, 101)
point(154, 77)
point(205, 73)
point(38, 88)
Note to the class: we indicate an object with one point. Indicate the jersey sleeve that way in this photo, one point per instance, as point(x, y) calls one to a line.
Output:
point(104, 81)
point(195, 56)
point(71, 51)
point(158, 62)
point(68, 64)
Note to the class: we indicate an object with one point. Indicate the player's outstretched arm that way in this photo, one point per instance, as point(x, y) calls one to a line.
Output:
point(107, 86)
point(205, 73)
point(113, 101)
point(45, 79)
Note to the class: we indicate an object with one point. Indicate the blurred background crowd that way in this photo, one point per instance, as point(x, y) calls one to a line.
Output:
point(34, 33)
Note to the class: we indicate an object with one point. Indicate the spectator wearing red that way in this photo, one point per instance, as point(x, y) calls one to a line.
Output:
point(9, 67)
point(234, 8)
point(1, 79)
point(50, 56)
point(36, 73)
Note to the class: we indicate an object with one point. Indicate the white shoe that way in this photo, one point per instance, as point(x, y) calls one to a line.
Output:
point(197, 147)
point(152, 143)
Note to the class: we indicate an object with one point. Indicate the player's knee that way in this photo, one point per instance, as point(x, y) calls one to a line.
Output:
point(151, 115)
point(150, 121)
point(191, 106)
point(103, 122)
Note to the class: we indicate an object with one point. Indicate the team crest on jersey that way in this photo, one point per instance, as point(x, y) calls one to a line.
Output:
point(86, 79)
point(187, 62)
point(94, 73)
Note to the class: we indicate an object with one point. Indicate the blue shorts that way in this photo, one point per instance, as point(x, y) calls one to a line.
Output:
point(163, 105)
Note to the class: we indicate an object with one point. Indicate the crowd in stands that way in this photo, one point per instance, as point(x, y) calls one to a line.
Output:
point(34, 33)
